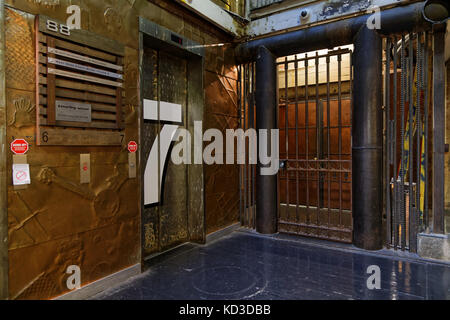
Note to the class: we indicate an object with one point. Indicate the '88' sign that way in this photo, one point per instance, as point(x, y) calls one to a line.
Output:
point(56, 27)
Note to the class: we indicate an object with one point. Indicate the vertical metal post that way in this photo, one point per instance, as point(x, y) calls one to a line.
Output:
point(250, 125)
point(419, 86)
point(239, 94)
point(245, 105)
point(286, 132)
point(249, 166)
point(254, 166)
point(387, 97)
point(318, 139)
point(401, 193)
point(426, 114)
point(3, 170)
point(410, 140)
point(340, 134)
point(307, 137)
point(438, 127)
point(328, 139)
point(367, 141)
point(395, 210)
point(297, 192)
point(266, 118)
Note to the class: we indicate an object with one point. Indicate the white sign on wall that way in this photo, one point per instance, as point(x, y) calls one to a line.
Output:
point(72, 111)
point(21, 174)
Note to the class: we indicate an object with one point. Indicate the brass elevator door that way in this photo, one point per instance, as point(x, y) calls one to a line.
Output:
point(165, 224)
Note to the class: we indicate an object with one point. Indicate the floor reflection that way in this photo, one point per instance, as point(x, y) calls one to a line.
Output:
point(247, 266)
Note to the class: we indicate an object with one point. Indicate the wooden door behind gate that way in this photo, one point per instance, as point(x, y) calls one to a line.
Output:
point(315, 109)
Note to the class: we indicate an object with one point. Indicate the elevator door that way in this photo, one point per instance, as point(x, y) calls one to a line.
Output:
point(165, 224)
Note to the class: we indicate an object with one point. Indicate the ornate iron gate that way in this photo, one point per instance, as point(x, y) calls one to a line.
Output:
point(407, 138)
point(315, 108)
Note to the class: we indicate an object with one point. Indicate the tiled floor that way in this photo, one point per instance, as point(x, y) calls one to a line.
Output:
point(247, 266)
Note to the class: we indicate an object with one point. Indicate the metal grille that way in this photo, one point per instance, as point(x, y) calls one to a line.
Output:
point(315, 108)
point(247, 119)
point(407, 132)
point(256, 4)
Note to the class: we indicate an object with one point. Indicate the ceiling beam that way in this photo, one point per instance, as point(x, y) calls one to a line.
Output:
point(216, 15)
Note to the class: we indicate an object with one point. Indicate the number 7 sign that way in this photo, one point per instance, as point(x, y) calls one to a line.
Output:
point(164, 112)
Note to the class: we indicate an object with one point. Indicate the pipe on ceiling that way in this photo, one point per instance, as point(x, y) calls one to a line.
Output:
point(395, 20)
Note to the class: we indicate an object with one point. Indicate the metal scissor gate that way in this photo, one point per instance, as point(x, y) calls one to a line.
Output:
point(315, 123)
point(407, 111)
point(315, 145)
point(314, 120)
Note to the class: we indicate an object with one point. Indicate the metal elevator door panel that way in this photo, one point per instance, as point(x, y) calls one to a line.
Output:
point(165, 224)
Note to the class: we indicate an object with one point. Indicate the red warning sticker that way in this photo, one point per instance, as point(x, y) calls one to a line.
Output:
point(19, 146)
point(132, 146)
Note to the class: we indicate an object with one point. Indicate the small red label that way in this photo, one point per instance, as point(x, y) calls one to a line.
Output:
point(19, 146)
point(132, 146)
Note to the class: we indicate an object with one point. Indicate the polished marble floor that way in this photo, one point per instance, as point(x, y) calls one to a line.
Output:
point(244, 265)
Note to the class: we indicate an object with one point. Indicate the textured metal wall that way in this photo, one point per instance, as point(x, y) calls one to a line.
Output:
point(52, 227)
point(222, 188)
point(3, 179)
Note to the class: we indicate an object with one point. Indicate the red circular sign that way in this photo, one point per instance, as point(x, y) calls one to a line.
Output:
point(19, 146)
point(132, 146)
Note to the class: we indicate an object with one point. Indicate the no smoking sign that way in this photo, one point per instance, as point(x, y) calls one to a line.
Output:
point(21, 174)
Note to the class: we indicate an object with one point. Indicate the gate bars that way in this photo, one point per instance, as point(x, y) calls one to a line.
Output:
point(247, 118)
point(307, 205)
point(315, 146)
point(406, 114)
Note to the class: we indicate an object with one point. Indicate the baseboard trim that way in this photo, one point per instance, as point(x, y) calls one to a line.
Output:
point(222, 233)
point(98, 286)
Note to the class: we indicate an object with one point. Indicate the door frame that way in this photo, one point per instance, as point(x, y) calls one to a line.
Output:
point(154, 36)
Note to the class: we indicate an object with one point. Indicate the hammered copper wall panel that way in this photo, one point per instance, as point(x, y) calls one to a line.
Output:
point(222, 181)
point(97, 226)
point(56, 222)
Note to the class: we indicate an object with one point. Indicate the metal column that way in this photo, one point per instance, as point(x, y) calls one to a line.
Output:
point(266, 118)
point(367, 141)
point(438, 127)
